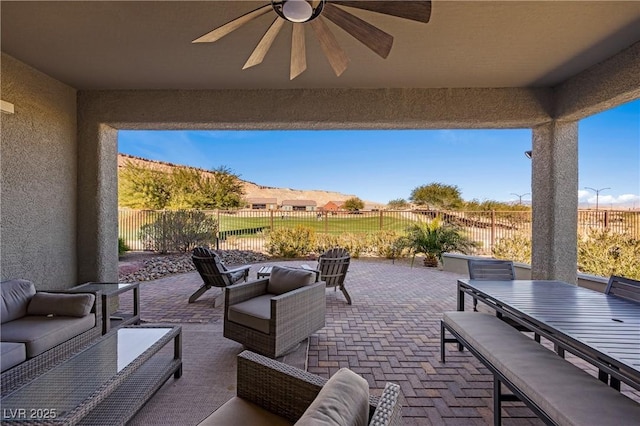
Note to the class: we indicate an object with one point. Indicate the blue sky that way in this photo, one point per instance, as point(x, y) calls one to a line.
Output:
point(384, 165)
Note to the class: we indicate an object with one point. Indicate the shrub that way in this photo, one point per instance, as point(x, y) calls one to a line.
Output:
point(605, 253)
point(387, 244)
point(122, 246)
point(325, 242)
point(516, 248)
point(180, 230)
point(290, 242)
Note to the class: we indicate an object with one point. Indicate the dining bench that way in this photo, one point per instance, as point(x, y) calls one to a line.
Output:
point(556, 390)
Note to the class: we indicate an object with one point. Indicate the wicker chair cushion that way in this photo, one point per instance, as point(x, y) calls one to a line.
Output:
point(253, 313)
point(11, 354)
point(284, 280)
point(41, 333)
point(15, 298)
point(238, 411)
point(68, 305)
point(343, 400)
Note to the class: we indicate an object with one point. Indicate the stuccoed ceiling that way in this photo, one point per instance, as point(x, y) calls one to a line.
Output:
point(147, 45)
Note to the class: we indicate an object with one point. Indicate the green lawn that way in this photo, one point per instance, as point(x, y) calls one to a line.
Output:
point(365, 223)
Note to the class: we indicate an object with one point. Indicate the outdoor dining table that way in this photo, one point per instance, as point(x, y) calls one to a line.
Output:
point(604, 330)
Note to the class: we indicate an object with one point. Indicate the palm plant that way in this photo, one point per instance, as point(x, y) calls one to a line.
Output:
point(434, 238)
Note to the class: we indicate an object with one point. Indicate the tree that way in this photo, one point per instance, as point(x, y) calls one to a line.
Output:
point(226, 190)
point(353, 203)
point(437, 195)
point(434, 238)
point(399, 203)
point(143, 187)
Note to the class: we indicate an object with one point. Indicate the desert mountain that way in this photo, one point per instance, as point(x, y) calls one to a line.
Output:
point(253, 190)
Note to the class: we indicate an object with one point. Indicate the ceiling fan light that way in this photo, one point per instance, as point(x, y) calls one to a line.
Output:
point(297, 10)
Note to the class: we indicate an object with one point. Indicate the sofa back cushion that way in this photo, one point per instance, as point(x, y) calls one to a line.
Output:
point(343, 400)
point(61, 304)
point(284, 280)
point(16, 295)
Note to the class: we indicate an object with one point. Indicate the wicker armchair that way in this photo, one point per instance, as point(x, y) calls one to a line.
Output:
point(272, 322)
point(214, 273)
point(286, 392)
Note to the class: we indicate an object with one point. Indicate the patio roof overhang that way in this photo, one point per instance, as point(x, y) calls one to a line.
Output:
point(540, 65)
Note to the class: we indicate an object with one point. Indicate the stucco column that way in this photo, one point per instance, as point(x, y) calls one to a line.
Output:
point(97, 235)
point(555, 201)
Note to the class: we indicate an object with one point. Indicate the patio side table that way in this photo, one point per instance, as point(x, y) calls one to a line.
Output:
point(110, 291)
point(264, 272)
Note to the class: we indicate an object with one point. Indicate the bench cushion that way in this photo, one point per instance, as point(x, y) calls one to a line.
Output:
point(11, 354)
point(40, 333)
point(63, 304)
point(238, 411)
point(343, 400)
point(283, 280)
point(15, 299)
point(254, 313)
point(565, 392)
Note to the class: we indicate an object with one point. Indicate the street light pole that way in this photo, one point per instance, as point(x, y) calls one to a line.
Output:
point(520, 196)
point(597, 191)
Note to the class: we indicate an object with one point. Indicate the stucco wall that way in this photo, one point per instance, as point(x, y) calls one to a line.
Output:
point(39, 178)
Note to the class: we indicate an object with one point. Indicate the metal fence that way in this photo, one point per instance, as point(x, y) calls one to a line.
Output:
point(247, 229)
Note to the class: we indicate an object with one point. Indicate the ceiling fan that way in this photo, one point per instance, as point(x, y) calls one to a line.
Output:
point(313, 12)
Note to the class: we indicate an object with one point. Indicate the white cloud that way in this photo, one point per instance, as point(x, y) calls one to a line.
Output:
point(607, 200)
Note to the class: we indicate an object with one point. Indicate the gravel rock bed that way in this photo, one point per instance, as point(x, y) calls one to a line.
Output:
point(163, 265)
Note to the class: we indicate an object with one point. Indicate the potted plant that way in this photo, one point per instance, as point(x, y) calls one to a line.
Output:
point(434, 238)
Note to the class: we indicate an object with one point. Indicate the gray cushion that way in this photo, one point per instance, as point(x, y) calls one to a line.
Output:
point(238, 411)
point(283, 280)
point(568, 394)
point(15, 298)
point(253, 313)
point(343, 400)
point(40, 333)
point(69, 305)
point(11, 354)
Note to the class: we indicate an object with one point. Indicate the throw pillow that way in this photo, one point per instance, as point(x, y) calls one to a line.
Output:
point(283, 279)
point(63, 304)
point(342, 401)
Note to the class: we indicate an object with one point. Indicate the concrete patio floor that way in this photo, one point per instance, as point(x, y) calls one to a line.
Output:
point(390, 333)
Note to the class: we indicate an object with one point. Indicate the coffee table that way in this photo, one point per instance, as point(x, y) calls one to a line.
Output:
point(105, 384)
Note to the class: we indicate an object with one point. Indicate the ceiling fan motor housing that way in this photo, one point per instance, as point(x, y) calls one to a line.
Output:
point(298, 10)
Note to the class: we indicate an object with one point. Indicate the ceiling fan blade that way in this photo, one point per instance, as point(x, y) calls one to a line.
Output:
point(372, 37)
point(265, 43)
point(416, 10)
point(233, 25)
point(332, 50)
point(298, 52)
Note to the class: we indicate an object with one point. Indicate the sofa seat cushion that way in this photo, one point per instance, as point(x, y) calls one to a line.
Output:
point(238, 411)
point(40, 333)
point(253, 313)
point(11, 354)
point(343, 400)
point(61, 304)
point(283, 279)
point(16, 295)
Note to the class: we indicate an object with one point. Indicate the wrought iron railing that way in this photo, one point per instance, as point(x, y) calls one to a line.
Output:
point(248, 229)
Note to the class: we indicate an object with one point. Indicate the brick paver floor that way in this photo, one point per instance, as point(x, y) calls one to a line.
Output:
point(390, 333)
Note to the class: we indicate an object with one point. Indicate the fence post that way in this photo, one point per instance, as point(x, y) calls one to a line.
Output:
point(326, 222)
point(493, 228)
point(271, 219)
point(606, 219)
point(381, 217)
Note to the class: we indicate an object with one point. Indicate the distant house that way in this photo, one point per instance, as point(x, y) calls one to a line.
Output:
point(333, 206)
point(262, 203)
point(299, 205)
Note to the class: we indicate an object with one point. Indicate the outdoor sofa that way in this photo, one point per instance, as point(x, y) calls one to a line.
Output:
point(40, 329)
point(272, 393)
